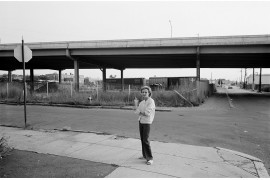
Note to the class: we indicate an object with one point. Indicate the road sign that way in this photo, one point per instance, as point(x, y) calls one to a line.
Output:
point(23, 54)
point(18, 53)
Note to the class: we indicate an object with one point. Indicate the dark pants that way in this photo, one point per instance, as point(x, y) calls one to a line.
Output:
point(144, 133)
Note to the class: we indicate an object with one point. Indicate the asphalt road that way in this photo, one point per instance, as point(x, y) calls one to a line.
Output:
point(244, 128)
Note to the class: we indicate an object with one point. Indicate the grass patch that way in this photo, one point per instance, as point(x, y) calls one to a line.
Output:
point(26, 164)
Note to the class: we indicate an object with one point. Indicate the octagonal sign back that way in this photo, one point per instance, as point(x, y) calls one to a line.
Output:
point(27, 53)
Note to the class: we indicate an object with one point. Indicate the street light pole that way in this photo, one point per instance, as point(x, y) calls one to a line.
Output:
point(171, 27)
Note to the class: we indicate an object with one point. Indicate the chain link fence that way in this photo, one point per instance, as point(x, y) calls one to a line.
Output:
point(93, 95)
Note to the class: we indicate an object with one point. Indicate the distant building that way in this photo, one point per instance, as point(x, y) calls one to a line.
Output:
point(265, 81)
point(52, 77)
point(86, 81)
point(221, 82)
point(165, 83)
point(133, 83)
point(67, 78)
point(15, 77)
point(89, 82)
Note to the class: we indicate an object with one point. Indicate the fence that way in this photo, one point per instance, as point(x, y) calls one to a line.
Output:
point(64, 93)
point(53, 92)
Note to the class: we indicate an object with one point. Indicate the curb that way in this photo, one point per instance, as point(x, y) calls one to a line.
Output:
point(259, 166)
point(240, 154)
point(262, 172)
point(83, 106)
point(229, 99)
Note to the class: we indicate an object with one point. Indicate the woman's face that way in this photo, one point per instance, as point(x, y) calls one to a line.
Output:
point(145, 93)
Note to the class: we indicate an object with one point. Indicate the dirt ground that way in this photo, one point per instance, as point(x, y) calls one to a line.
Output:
point(25, 164)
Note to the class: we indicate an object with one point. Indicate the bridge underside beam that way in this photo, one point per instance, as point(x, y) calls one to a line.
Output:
point(210, 60)
point(144, 61)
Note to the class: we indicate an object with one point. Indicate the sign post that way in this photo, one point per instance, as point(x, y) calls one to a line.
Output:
point(23, 54)
point(24, 85)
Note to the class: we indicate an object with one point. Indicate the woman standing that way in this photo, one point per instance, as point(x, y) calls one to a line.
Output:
point(146, 112)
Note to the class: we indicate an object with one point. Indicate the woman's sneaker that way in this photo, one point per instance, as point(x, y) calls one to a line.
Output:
point(149, 162)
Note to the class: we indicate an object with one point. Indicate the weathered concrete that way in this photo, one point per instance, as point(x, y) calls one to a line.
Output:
point(160, 42)
point(170, 159)
point(124, 172)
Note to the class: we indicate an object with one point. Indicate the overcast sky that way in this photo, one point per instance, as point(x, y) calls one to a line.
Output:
point(106, 20)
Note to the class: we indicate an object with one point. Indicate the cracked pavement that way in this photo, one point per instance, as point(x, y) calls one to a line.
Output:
point(170, 159)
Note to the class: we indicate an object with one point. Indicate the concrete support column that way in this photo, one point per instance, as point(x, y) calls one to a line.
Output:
point(9, 76)
point(260, 81)
point(198, 75)
point(76, 70)
point(245, 79)
point(198, 64)
point(104, 79)
point(31, 80)
point(76, 76)
point(60, 76)
point(122, 80)
point(253, 87)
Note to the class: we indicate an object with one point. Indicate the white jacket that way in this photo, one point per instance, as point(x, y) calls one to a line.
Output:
point(148, 107)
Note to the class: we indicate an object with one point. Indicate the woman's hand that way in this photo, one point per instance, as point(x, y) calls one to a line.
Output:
point(142, 114)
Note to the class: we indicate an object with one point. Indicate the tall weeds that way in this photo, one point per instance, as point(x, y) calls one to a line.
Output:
point(61, 94)
point(11, 90)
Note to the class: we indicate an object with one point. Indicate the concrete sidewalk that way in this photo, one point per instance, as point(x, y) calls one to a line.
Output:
point(170, 159)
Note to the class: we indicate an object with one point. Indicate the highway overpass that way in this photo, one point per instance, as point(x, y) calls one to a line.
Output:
point(251, 51)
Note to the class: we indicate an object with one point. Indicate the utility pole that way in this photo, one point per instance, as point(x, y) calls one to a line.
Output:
point(241, 78)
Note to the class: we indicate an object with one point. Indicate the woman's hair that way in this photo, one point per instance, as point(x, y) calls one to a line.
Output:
point(148, 88)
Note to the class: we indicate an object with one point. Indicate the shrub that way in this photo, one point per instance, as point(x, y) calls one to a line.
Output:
point(5, 149)
point(266, 89)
